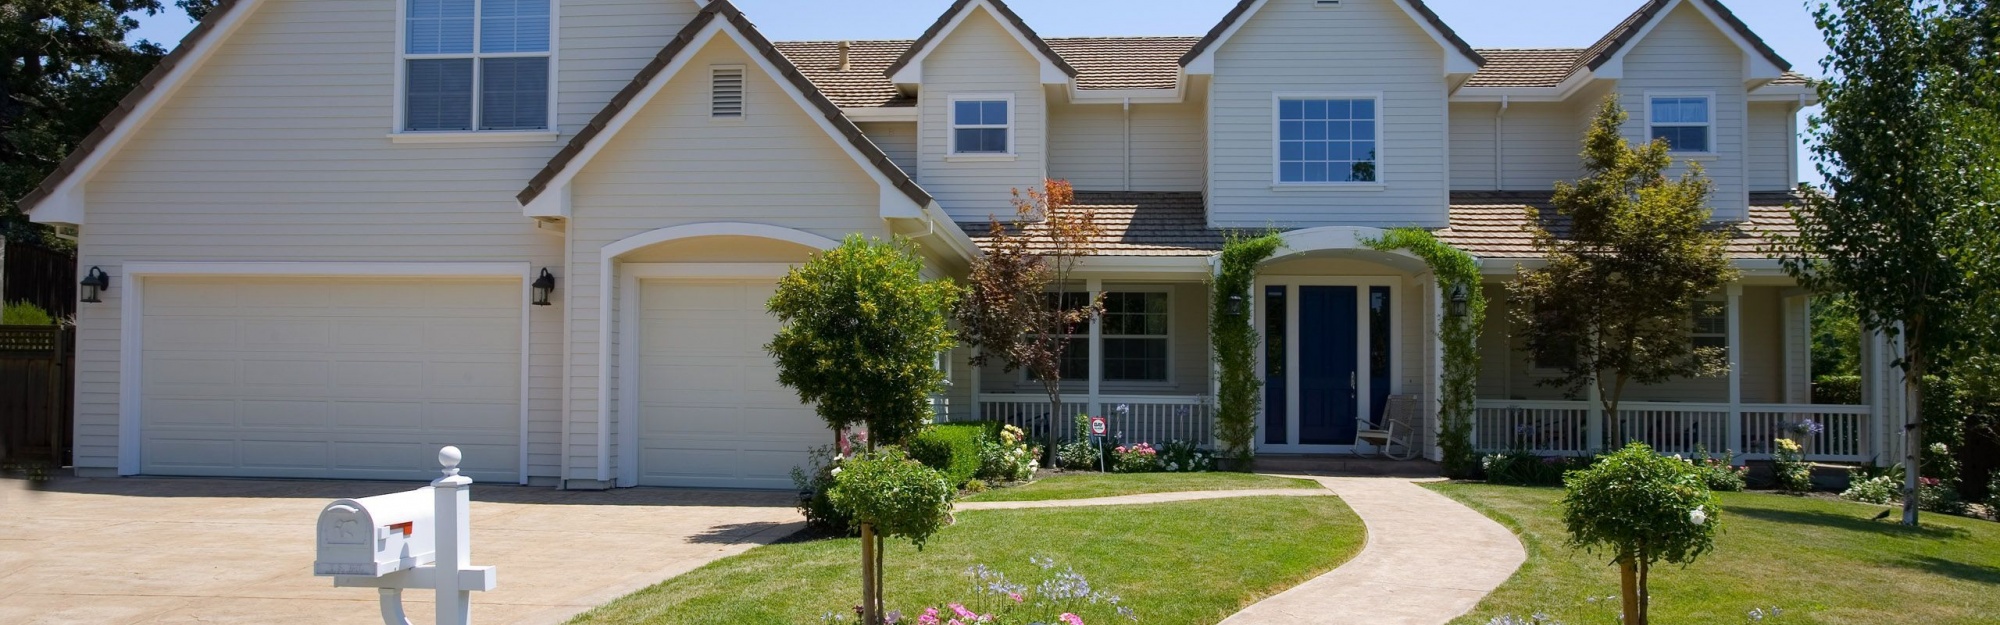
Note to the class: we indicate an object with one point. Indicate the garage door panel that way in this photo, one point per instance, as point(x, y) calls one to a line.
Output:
point(346, 378)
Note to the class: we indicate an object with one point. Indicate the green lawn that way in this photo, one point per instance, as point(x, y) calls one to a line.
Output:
point(1089, 485)
point(1174, 563)
point(1821, 561)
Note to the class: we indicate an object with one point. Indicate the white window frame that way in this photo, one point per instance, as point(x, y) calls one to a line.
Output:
point(397, 132)
point(1721, 305)
point(1707, 96)
point(952, 127)
point(1098, 351)
point(1277, 142)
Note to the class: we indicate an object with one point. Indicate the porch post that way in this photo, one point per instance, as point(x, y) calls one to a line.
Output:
point(1434, 382)
point(1735, 344)
point(1096, 287)
point(975, 374)
point(1594, 417)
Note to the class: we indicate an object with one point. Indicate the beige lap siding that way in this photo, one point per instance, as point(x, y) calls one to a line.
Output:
point(981, 57)
point(1686, 55)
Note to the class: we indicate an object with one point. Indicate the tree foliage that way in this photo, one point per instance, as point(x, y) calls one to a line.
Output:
point(1233, 332)
point(65, 66)
point(888, 495)
point(862, 331)
point(1907, 229)
point(1615, 299)
point(1018, 306)
point(1454, 269)
point(1642, 509)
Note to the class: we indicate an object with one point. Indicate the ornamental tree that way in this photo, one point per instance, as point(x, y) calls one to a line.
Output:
point(1907, 229)
point(889, 496)
point(1616, 298)
point(1641, 508)
point(862, 331)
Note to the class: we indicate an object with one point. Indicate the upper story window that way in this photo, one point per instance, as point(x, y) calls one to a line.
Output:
point(472, 65)
point(1711, 324)
point(1684, 122)
point(1328, 140)
point(982, 125)
point(1135, 337)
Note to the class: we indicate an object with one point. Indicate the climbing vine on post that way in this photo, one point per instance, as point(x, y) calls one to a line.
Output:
point(1234, 334)
point(1460, 334)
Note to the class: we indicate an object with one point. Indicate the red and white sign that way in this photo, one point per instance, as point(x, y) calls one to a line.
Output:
point(1097, 426)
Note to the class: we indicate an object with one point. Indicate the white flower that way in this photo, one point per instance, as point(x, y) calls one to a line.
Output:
point(1698, 517)
point(1173, 466)
point(836, 470)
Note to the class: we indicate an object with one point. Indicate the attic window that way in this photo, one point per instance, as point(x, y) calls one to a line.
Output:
point(726, 92)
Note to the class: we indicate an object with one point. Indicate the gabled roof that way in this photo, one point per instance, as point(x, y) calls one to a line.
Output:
point(929, 40)
point(1135, 223)
point(722, 9)
point(1101, 63)
point(1615, 41)
point(1242, 9)
point(1549, 67)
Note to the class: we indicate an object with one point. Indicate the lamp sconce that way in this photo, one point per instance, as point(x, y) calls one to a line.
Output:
point(95, 284)
point(543, 287)
point(1235, 308)
point(1460, 301)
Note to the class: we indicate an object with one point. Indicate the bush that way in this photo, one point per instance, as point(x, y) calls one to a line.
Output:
point(25, 314)
point(1078, 456)
point(1640, 509)
point(1877, 489)
point(901, 497)
point(1178, 456)
point(1525, 468)
point(813, 481)
point(954, 449)
point(1006, 456)
point(1793, 472)
point(1139, 458)
point(1837, 389)
point(1721, 474)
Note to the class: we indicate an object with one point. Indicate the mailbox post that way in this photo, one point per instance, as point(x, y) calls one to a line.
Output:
point(409, 540)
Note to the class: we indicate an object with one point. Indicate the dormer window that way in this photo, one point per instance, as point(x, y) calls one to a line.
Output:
point(1328, 140)
point(982, 125)
point(475, 65)
point(1685, 122)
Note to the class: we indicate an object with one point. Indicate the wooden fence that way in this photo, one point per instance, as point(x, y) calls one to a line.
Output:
point(37, 365)
point(39, 276)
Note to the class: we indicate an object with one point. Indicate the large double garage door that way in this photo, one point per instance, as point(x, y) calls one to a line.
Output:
point(710, 410)
point(330, 378)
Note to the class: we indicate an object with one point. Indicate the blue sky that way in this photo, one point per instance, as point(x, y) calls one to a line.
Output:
point(1785, 24)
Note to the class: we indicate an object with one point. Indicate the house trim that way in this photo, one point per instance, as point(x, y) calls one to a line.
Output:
point(132, 316)
point(1460, 57)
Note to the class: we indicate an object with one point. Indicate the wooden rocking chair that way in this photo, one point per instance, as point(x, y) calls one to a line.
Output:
point(1400, 428)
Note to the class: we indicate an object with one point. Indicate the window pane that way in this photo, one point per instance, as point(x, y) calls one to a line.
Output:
point(982, 140)
point(1291, 131)
point(994, 113)
point(1291, 109)
point(1291, 172)
point(965, 113)
point(1075, 359)
point(1315, 172)
point(515, 94)
point(1683, 138)
point(1135, 360)
point(514, 26)
point(1680, 110)
point(439, 95)
point(440, 27)
point(1328, 140)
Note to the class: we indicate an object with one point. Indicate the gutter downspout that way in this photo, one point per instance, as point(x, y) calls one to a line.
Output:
point(1499, 139)
point(1128, 144)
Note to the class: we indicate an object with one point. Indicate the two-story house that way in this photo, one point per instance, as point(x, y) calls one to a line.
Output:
point(340, 233)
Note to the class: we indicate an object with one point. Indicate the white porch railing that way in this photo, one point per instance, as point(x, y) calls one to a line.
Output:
point(1560, 428)
point(1152, 419)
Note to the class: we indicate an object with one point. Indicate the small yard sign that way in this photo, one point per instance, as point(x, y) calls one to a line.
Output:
point(1097, 426)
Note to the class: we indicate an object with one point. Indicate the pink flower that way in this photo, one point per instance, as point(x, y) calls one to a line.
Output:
point(1072, 619)
point(1119, 449)
point(964, 613)
point(930, 617)
point(1015, 596)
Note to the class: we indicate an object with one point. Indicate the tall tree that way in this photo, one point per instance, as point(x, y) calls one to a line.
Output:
point(1614, 303)
point(1906, 228)
point(1019, 306)
point(64, 64)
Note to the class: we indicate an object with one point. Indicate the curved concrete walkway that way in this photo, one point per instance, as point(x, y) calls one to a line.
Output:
point(1428, 560)
point(1143, 498)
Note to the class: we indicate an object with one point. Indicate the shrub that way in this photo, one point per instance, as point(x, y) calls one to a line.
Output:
point(1793, 472)
point(1640, 509)
point(1721, 474)
point(1006, 456)
point(901, 497)
point(1178, 456)
point(953, 449)
point(1837, 389)
point(1078, 456)
point(1139, 458)
point(1525, 468)
point(813, 481)
point(25, 314)
point(976, 486)
point(1876, 489)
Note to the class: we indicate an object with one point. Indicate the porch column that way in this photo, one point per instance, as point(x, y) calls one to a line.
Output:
point(1594, 418)
point(975, 373)
point(1434, 382)
point(1096, 288)
point(1735, 316)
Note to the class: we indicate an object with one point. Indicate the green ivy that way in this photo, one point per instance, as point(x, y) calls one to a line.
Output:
point(1460, 336)
point(1235, 340)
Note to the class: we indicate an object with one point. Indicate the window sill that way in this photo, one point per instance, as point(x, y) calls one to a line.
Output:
point(491, 136)
point(1342, 187)
point(979, 158)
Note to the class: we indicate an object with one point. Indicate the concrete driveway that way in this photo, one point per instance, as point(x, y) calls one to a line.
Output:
point(163, 550)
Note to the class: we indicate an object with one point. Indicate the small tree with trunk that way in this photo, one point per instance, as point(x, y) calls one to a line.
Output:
point(1615, 301)
point(1018, 306)
point(1642, 508)
point(862, 331)
point(1908, 228)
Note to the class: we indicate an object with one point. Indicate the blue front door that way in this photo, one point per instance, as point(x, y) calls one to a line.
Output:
point(1328, 364)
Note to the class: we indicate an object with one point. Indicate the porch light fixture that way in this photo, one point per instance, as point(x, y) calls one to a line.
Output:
point(1460, 300)
point(94, 283)
point(544, 286)
point(1235, 306)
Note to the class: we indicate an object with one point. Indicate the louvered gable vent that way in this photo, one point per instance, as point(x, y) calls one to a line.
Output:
point(726, 92)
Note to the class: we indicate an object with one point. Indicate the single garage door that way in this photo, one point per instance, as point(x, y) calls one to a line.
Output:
point(330, 378)
point(712, 413)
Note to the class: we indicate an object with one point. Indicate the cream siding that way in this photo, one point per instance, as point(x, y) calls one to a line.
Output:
point(276, 151)
point(673, 166)
point(1091, 146)
point(1686, 54)
point(897, 139)
point(1472, 139)
point(1773, 132)
point(980, 57)
point(1361, 46)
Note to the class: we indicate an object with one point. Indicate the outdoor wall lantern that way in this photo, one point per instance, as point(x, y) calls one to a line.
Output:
point(1235, 306)
point(1460, 300)
point(95, 283)
point(544, 286)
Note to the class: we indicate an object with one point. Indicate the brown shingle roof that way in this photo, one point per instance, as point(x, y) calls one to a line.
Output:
point(1100, 63)
point(1125, 62)
point(1493, 224)
point(1237, 12)
point(1525, 67)
point(723, 9)
point(1139, 224)
point(937, 28)
point(865, 83)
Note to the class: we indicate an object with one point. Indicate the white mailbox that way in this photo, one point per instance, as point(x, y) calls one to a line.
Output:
point(376, 536)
